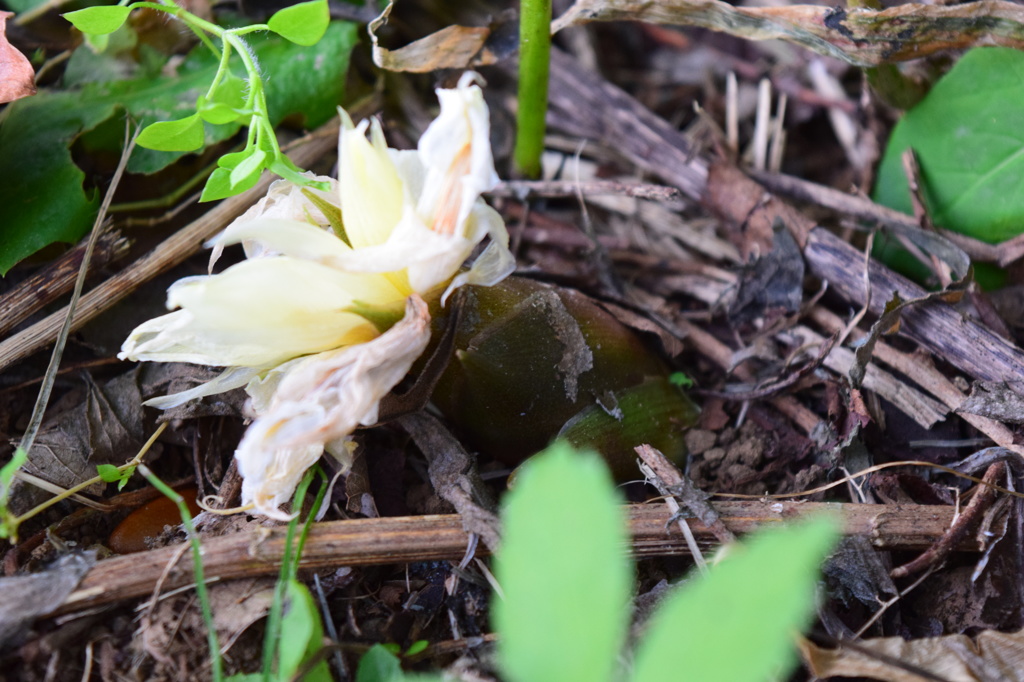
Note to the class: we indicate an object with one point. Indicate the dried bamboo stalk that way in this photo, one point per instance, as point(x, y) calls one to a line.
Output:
point(398, 540)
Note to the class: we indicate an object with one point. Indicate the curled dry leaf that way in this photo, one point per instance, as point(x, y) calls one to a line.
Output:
point(17, 78)
point(453, 47)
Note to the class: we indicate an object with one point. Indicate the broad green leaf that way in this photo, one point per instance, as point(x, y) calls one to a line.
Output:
point(302, 24)
point(99, 20)
point(738, 622)
point(44, 200)
point(301, 636)
point(379, 665)
point(182, 135)
point(42, 195)
point(968, 133)
point(564, 571)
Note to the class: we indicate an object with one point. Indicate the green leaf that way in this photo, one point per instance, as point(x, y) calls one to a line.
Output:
point(737, 623)
point(247, 172)
point(563, 555)
point(218, 186)
point(302, 24)
point(379, 665)
point(227, 103)
point(968, 133)
point(301, 636)
point(99, 20)
point(108, 472)
point(183, 135)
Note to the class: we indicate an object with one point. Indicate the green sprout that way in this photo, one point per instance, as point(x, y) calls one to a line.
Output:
point(229, 98)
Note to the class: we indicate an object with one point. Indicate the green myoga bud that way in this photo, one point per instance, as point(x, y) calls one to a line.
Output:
point(533, 362)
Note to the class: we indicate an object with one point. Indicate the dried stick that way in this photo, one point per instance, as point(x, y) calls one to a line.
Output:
point(964, 524)
point(396, 540)
point(47, 284)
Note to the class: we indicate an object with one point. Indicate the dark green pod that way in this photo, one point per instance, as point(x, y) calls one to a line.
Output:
point(533, 362)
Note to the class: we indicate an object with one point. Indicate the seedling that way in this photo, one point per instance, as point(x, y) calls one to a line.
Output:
point(229, 98)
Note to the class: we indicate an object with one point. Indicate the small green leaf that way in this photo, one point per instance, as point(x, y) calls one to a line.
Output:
point(218, 186)
point(247, 172)
point(379, 665)
point(99, 20)
point(563, 555)
point(108, 472)
point(183, 135)
point(755, 600)
point(231, 160)
point(227, 103)
point(417, 646)
point(302, 24)
point(681, 380)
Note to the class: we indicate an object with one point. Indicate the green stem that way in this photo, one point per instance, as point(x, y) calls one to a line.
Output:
point(273, 631)
point(534, 64)
point(197, 570)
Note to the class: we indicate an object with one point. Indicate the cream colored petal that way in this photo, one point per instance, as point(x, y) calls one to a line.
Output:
point(285, 237)
point(371, 191)
point(322, 399)
point(260, 313)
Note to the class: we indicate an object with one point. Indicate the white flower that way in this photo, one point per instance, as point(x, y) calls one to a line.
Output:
point(319, 325)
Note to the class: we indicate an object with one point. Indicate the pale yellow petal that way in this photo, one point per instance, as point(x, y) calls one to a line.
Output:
point(260, 313)
point(372, 194)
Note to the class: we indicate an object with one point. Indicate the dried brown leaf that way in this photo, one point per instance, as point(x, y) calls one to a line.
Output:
point(105, 427)
point(17, 78)
point(453, 47)
point(990, 656)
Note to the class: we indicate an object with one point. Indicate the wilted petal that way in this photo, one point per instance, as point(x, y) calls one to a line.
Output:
point(269, 477)
point(456, 152)
point(322, 399)
point(284, 201)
